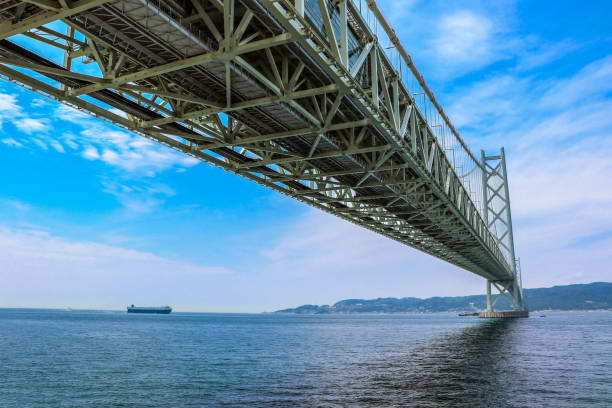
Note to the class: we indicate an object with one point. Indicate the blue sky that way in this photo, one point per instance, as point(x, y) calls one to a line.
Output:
point(91, 216)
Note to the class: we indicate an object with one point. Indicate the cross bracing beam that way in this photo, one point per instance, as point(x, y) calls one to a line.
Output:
point(289, 97)
point(260, 91)
point(247, 140)
point(8, 29)
point(181, 64)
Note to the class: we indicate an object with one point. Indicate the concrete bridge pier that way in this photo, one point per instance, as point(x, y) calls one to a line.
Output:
point(503, 314)
point(489, 313)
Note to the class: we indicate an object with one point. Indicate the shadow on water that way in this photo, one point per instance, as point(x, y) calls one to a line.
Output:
point(464, 369)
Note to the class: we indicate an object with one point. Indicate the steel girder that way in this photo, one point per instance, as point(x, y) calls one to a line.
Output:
point(301, 100)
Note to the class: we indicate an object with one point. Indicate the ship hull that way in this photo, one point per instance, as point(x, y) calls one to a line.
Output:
point(147, 310)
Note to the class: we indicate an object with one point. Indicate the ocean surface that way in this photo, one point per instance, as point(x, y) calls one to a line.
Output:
point(111, 359)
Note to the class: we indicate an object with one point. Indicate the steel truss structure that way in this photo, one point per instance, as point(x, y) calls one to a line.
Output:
point(497, 215)
point(300, 96)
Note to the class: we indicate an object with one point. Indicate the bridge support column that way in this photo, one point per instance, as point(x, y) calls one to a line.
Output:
point(344, 46)
point(489, 303)
point(508, 290)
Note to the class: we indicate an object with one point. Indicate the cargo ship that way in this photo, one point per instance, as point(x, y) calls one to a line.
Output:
point(157, 310)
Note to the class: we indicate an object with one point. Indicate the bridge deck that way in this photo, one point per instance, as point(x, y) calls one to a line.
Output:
point(257, 88)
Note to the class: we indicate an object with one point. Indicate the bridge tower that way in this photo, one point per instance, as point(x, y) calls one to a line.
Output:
point(498, 218)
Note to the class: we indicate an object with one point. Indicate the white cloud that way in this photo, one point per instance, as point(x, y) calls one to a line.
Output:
point(69, 140)
point(324, 259)
point(8, 104)
point(573, 177)
point(38, 268)
point(526, 111)
point(450, 39)
point(321, 259)
point(31, 125)
point(463, 37)
point(17, 205)
point(401, 8)
point(592, 81)
point(11, 142)
point(558, 138)
point(110, 156)
point(9, 107)
point(40, 143)
point(536, 53)
point(69, 114)
point(39, 102)
point(119, 148)
point(91, 153)
point(131, 155)
point(494, 98)
point(138, 196)
point(57, 146)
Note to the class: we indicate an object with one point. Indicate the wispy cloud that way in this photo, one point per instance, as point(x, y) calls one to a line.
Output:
point(9, 104)
point(465, 38)
point(9, 107)
point(535, 52)
point(558, 135)
point(118, 148)
point(91, 153)
point(11, 142)
point(51, 269)
point(401, 8)
point(90, 138)
point(468, 36)
point(31, 125)
point(57, 146)
point(128, 156)
point(138, 196)
point(318, 251)
point(15, 205)
point(525, 110)
point(593, 82)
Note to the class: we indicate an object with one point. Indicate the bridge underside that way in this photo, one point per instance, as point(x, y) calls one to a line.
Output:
point(257, 88)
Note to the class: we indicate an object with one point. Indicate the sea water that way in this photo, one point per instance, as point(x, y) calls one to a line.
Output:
point(52, 358)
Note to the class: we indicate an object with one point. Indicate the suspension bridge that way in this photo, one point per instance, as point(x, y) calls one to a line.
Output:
point(315, 99)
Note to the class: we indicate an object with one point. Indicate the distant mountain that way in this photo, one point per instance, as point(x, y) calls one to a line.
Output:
point(592, 296)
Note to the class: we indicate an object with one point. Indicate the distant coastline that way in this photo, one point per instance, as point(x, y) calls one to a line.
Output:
point(595, 296)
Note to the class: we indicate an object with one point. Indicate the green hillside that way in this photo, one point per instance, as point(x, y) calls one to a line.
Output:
point(592, 296)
